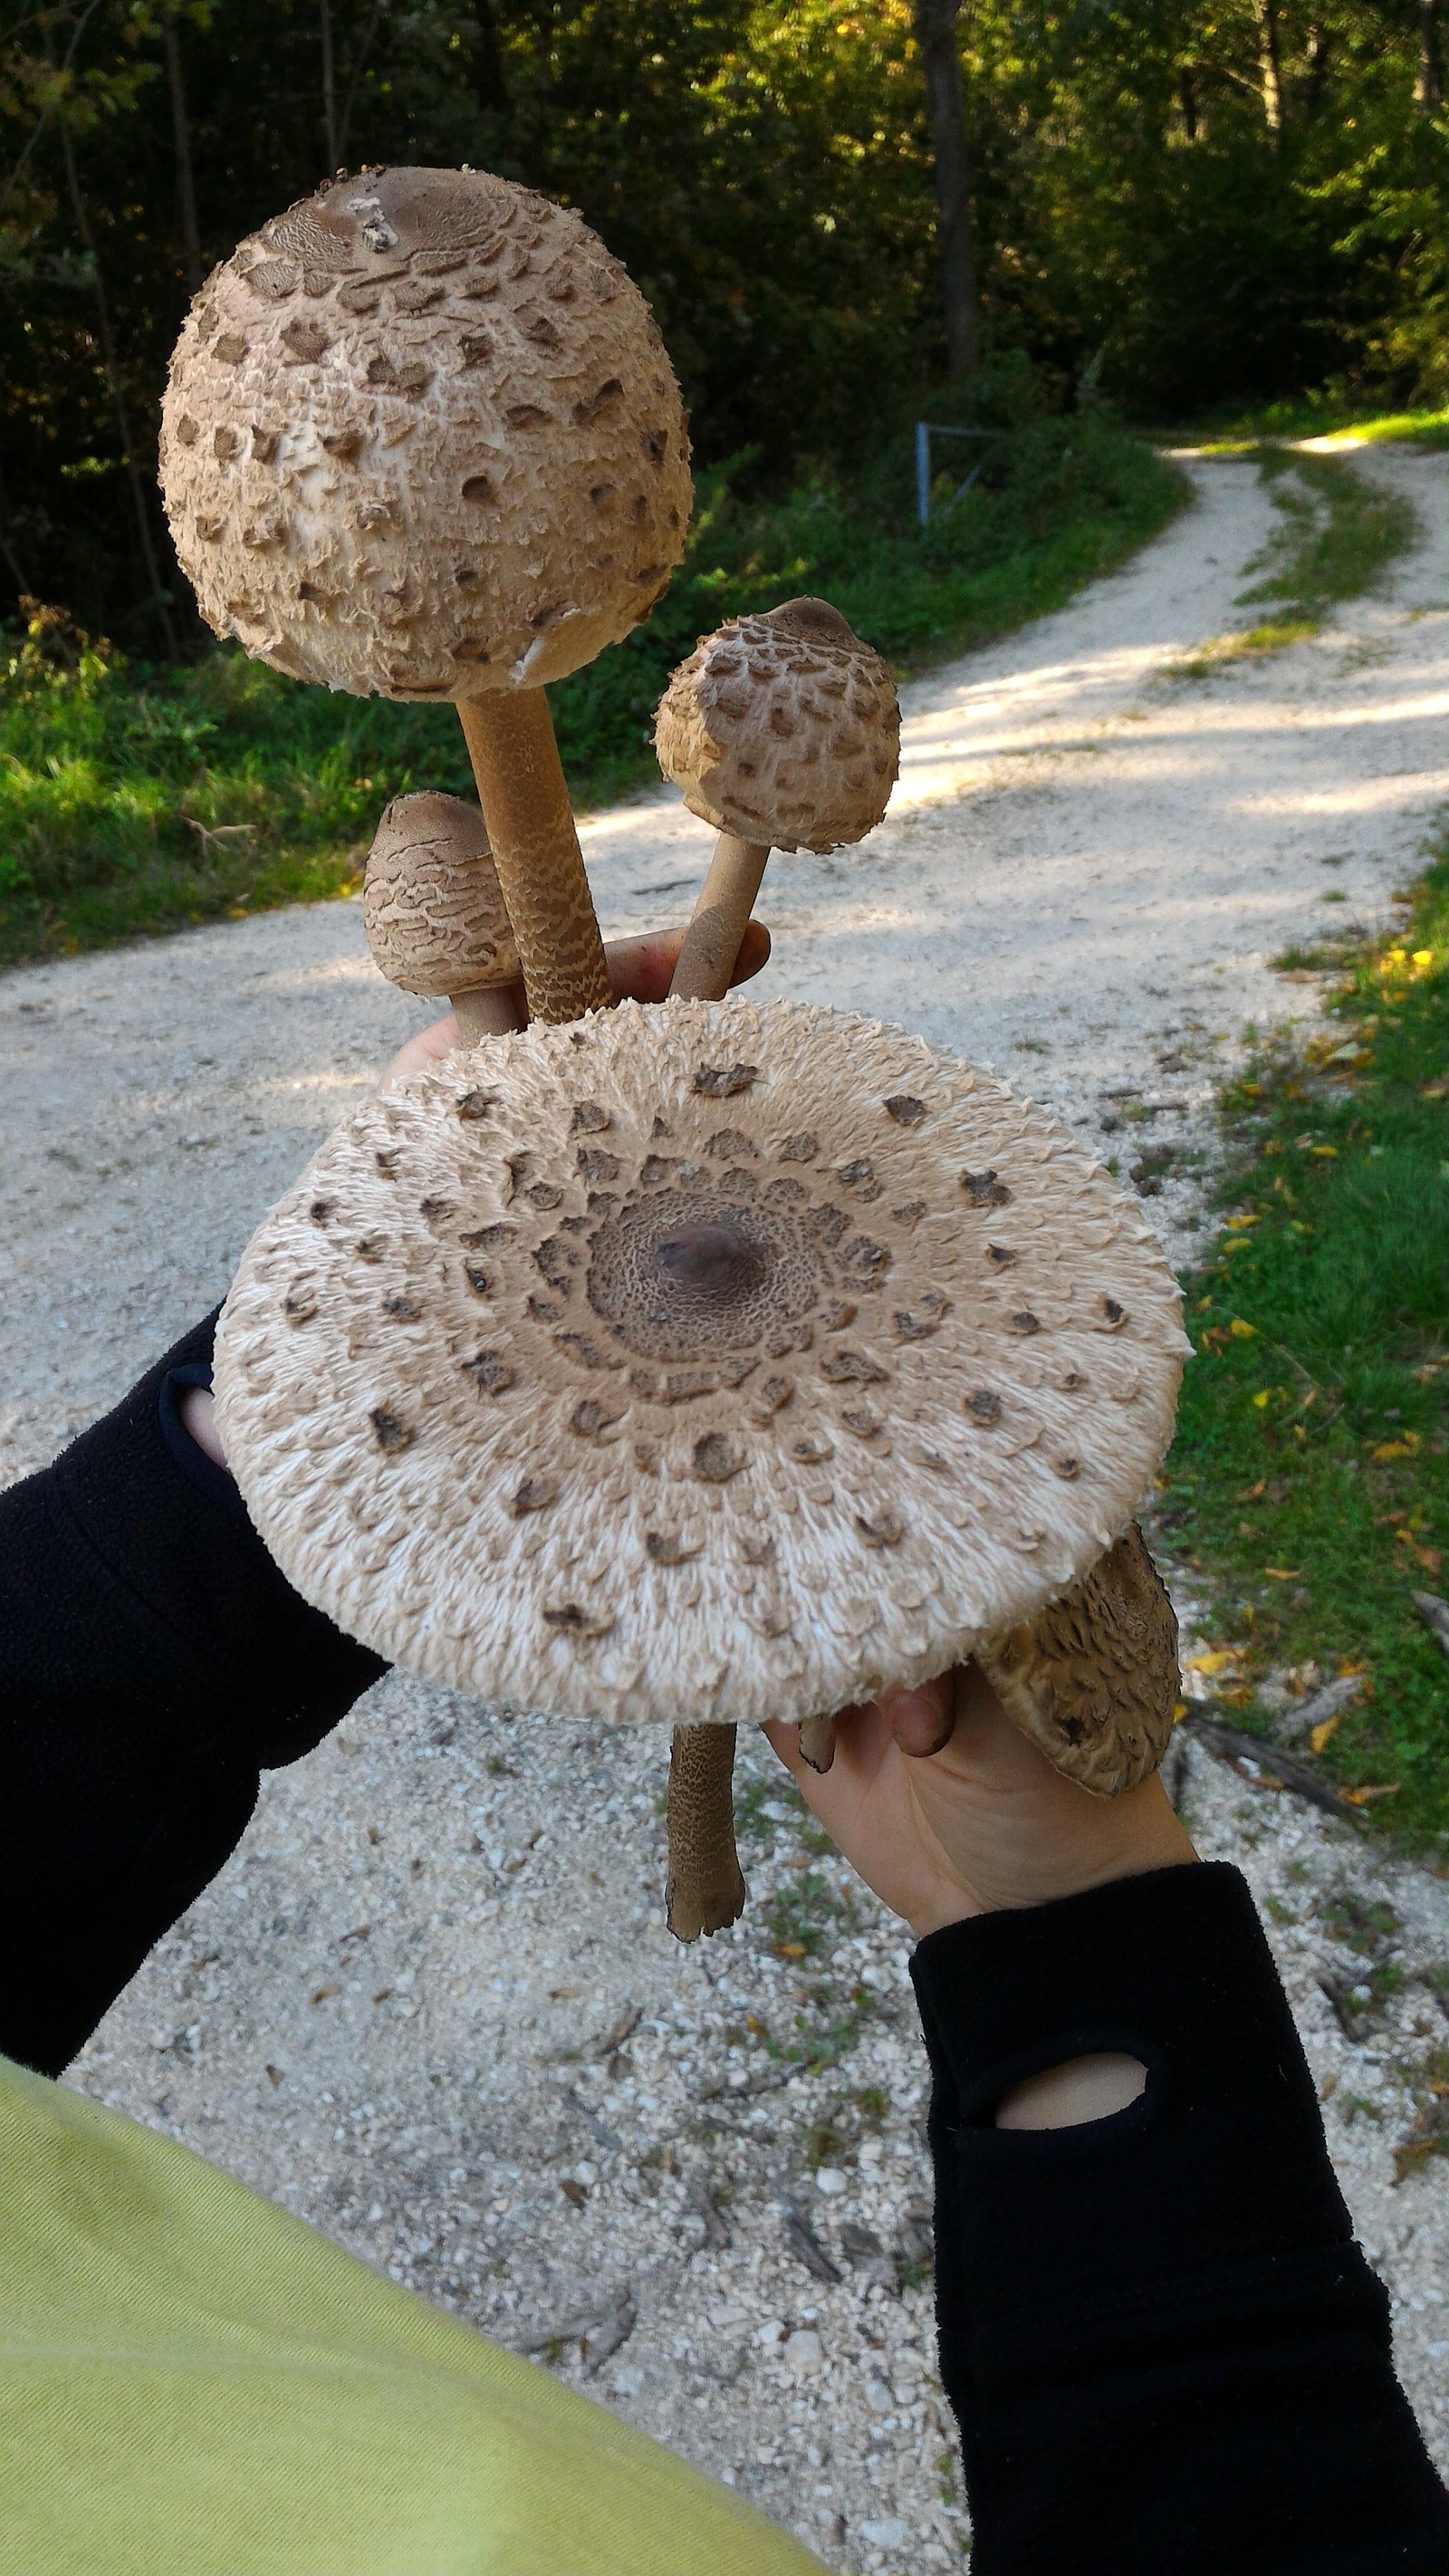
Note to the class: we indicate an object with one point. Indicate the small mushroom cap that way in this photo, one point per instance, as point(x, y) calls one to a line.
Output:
point(421, 439)
point(783, 729)
point(1093, 1678)
point(715, 1361)
point(431, 901)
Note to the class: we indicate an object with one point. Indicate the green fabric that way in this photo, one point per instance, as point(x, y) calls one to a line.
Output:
point(194, 2384)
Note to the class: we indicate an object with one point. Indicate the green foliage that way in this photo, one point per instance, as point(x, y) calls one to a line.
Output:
point(1310, 1475)
point(136, 796)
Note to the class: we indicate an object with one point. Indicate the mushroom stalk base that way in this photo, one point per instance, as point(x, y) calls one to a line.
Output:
point(705, 1891)
point(487, 1014)
point(535, 847)
point(817, 1742)
point(712, 942)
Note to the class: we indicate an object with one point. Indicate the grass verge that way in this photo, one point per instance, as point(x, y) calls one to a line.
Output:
point(1309, 1480)
point(135, 800)
point(1336, 536)
point(1318, 416)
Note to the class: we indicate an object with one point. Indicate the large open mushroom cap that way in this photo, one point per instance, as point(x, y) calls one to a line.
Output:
point(716, 1361)
point(433, 907)
point(783, 729)
point(421, 438)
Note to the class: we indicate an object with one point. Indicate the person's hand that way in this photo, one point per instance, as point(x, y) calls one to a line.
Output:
point(639, 971)
point(946, 1809)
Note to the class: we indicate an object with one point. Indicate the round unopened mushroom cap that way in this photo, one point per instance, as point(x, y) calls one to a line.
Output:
point(719, 1360)
point(783, 729)
point(431, 901)
point(421, 438)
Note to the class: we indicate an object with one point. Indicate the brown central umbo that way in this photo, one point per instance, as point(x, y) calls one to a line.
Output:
point(689, 1273)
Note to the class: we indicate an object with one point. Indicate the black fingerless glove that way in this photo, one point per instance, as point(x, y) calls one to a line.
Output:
point(152, 1661)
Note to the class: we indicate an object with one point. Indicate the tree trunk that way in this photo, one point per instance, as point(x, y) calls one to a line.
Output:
point(955, 234)
point(329, 88)
point(185, 176)
point(114, 384)
point(489, 86)
point(1187, 101)
point(1270, 64)
point(1429, 86)
point(355, 70)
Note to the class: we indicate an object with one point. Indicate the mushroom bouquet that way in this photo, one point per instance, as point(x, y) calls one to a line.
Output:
point(696, 1365)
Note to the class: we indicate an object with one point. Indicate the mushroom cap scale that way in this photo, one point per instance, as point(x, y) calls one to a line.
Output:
point(717, 1361)
point(421, 439)
point(783, 729)
point(432, 905)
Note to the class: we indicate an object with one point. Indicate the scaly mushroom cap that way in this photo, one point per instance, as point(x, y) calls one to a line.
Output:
point(783, 729)
point(1093, 1678)
point(431, 900)
point(719, 1360)
point(421, 438)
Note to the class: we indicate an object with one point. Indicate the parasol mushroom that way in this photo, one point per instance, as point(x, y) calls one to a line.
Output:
point(421, 438)
point(433, 910)
point(1093, 1677)
point(762, 1329)
point(784, 732)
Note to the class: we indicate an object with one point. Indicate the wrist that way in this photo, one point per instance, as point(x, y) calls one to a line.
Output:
point(198, 1421)
point(1030, 1860)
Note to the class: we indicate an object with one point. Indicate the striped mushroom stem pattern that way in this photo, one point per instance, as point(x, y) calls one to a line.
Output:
point(784, 731)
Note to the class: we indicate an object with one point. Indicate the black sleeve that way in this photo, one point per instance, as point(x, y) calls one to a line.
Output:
point(152, 1662)
point(1166, 2354)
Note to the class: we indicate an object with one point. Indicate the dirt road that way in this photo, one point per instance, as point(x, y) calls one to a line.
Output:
point(514, 2090)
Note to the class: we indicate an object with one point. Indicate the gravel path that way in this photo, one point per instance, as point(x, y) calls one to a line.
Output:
point(431, 2004)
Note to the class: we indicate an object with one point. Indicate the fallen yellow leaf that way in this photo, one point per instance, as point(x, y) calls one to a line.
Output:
point(1216, 1660)
point(1261, 1400)
point(1283, 1573)
point(1179, 1713)
point(1256, 1492)
point(1325, 1149)
point(1404, 1448)
point(1385, 1789)
point(1423, 957)
point(1321, 1733)
point(1240, 1331)
point(1435, 1090)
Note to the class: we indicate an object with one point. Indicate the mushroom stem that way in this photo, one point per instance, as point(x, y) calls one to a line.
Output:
point(712, 941)
point(509, 733)
point(817, 1742)
point(705, 1890)
point(485, 1014)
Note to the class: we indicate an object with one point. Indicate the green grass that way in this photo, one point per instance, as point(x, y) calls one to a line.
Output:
point(1336, 536)
point(135, 799)
point(1309, 1480)
point(1328, 415)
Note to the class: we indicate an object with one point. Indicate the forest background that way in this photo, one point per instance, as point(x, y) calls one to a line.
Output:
point(1187, 201)
point(1041, 222)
